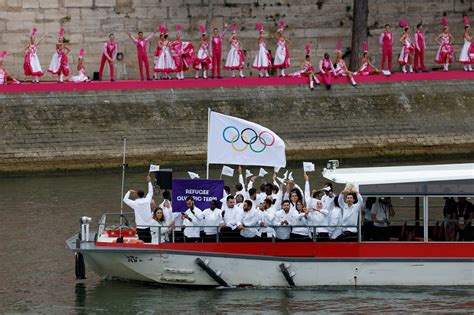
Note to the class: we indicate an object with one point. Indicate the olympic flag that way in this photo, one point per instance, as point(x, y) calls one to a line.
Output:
point(232, 140)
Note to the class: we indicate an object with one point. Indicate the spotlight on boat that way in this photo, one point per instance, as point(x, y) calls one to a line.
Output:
point(85, 220)
point(332, 164)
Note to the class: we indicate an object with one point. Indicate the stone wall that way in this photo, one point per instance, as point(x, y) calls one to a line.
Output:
point(87, 23)
point(84, 129)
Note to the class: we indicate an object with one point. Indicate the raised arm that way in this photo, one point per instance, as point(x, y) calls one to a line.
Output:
point(150, 36)
point(307, 192)
point(341, 201)
point(133, 38)
point(127, 200)
point(149, 195)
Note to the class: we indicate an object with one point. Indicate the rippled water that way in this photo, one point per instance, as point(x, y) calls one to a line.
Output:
point(37, 271)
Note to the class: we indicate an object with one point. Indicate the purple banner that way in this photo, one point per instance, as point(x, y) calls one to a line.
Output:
point(202, 190)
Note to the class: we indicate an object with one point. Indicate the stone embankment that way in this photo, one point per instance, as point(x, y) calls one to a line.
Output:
point(77, 130)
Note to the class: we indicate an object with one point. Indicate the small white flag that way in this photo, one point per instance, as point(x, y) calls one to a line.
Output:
point(308, 166)
point(193, 175)
point(227, 171)
point(262, 172)
point(248, 174)
point(281, 180)
point(276, 169)
point(290, 176)
point(285, 176)
point(154, 168)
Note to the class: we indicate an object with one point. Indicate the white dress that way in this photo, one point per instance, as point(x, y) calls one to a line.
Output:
point(282, 57)
point(467, 53)
point(262, 59)
point(235, 57)
point(405, 52)
point(32, 64)
point(164, 62)
point(81, 77)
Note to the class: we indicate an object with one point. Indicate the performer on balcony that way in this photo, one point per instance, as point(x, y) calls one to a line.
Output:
point(419, 48)
point(109, 54)
point(5, 77)
point(405, 58)
point(327, 70)
point(81, 77)
point(31, 65)
point(386, 43)
point(203, 61)
point(142, 43)
point(235, 57)
point(445, 53)
point(282, 55)
point(366, 66)
point(467, 52)
point(341, 68)
point(263, 58)
point(307, 69)
point(216, 45)
point(165, 63)
point(59, 63)
point(183, 54)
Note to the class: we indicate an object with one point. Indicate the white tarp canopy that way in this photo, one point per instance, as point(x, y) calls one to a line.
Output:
point(401, 174)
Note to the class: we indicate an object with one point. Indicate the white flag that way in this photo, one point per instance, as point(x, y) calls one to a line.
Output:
point(227, 171)
point(262, 172)
point(276, 169)
point(248, 174)
point(281, 180)
point(308, 167)
point(154, 168)
point(285, 176)
point(232, 140)
point(193, 175)
point(290, 176)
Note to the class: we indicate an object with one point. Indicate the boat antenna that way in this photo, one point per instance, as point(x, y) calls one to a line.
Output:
point(124, 166)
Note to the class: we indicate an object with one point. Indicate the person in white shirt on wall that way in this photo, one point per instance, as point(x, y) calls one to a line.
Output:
point(283, 219)
point(212, 221)
point(248, 222)
point(351, 209)
point(142, 208)
point(382, 211)
point(191, 222)
point(230, 213)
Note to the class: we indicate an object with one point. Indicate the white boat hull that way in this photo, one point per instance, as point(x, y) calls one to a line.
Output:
point(181, 269)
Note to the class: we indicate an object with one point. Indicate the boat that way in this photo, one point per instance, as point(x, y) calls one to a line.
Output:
point(423, 261)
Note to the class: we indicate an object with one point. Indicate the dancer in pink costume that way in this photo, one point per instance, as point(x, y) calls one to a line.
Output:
point(445, 53)
point(31, 64)
point(263, 59)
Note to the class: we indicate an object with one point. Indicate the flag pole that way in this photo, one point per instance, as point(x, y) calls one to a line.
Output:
point(120, 239)
point(208, 131)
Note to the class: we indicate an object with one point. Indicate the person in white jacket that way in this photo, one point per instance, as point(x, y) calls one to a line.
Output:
point(267, 215)
point(351, 209)
point(319, 217)
point(212, 220)
point(248, 222)
point(283, 219)
point(192, 218)
point(300, 221)
point(142, 208)
point(335, 220)
point(159, 227)
point(230, 213)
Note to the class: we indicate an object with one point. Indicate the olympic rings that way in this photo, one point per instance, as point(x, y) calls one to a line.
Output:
point(232, 135)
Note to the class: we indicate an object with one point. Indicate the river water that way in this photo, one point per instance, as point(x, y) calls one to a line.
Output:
point(37, 271)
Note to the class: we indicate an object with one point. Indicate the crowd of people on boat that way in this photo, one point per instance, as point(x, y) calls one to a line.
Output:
point(283, 211)
point(178, 56)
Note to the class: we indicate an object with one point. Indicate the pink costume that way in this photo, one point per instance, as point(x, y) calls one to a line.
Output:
point(326, 71)
point(164, 63)
point(445, 53)
point(262, 58)
point(59, 63)
point(386, 42)
point(109, 53)
point(183, 54)
point(306, 68)
point(142, 54)
point(235, 57)
point(282, 55)
point(406, 52)
point(4, 75)
point(31, 65)
point(216, 45)
point(81, 77)
point(419, 50)
point(467, 53)
point(203, 60)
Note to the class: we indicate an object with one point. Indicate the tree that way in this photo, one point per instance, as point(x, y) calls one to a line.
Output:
point(359, 31)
